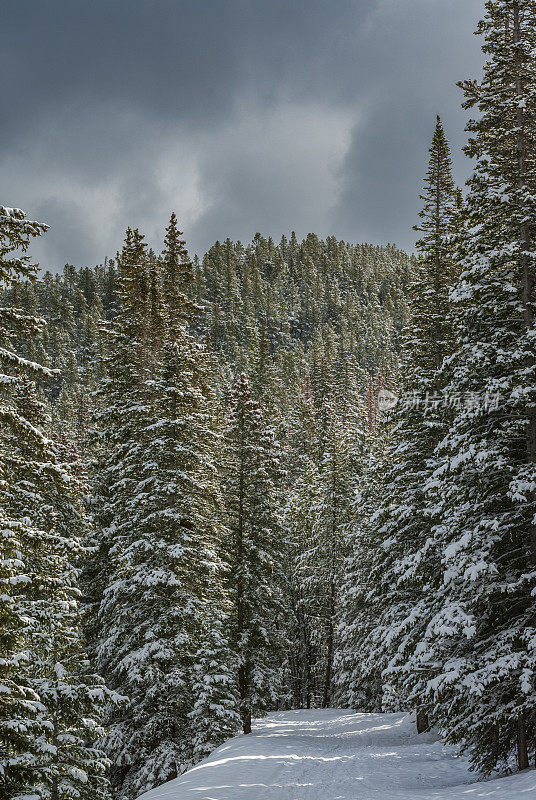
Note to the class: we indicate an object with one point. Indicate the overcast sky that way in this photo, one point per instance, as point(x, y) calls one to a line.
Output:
point(240, 115)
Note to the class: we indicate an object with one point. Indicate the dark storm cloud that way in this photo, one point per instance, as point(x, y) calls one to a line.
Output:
point(242, 115)
point(426, 48)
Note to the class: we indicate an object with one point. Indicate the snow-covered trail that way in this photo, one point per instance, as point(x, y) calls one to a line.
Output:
point(337, 755)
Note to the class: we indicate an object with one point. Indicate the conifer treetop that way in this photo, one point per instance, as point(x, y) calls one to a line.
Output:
point(16, 232)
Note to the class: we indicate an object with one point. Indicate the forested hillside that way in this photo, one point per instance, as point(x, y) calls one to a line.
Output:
point(217, 413)
point(277, 477)
point(282, 313)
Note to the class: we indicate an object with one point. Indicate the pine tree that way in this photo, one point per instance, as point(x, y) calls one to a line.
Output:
point(254, 549)
point(359, 683)
point(165, 586)
point(343, 447)
point(117, 417)
point(18, 710)
point(479, 644)
point(302, 448)
point(411, 570)
point(403, 568)
point(50, 700)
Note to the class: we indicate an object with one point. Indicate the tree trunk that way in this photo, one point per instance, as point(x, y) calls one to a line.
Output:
point(495, 738)
point(305, 654)
point(308, 678)
point(522, 749)
point(243, 687)
point(326, 698)
point(246, 720)
point(423, 723)
point(333, 576)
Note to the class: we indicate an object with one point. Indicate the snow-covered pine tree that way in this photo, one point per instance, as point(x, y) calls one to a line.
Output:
point(358, 682)
point(213, 682)
point(71, 697)
point(118, 415)
point(163, 610)
point(252, 485)
point(399, 576)
point(19, 704)
point(189, 403)
point(411, 568)
point(50, 701)
point(321, 560)
point(479, 648)
point(301, 449)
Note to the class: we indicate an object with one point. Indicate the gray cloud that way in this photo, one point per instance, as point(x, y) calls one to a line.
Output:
point(426, 48)
point(242, 115)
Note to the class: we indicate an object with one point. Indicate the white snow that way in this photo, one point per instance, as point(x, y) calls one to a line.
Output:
point(338, 755)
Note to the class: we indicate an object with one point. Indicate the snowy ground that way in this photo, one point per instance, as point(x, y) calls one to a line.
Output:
point(337, 755)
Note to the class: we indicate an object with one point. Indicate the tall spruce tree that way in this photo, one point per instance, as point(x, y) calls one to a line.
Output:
point(118, 414)
point(359, 683)
point(163, 611)
point(478, 651)
point(401, 574)
point(322, 556)
point(50, 702)
point(302, 448)
point(252, 485)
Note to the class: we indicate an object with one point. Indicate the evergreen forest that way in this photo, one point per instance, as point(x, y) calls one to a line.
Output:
point(281, 475)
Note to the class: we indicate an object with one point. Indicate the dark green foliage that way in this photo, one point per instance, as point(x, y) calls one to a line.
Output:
point(146, 349)
point(50, 699)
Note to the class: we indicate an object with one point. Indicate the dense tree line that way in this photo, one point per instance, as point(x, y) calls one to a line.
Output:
point(440, 591)
point(212, 503)
point(209, 414)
